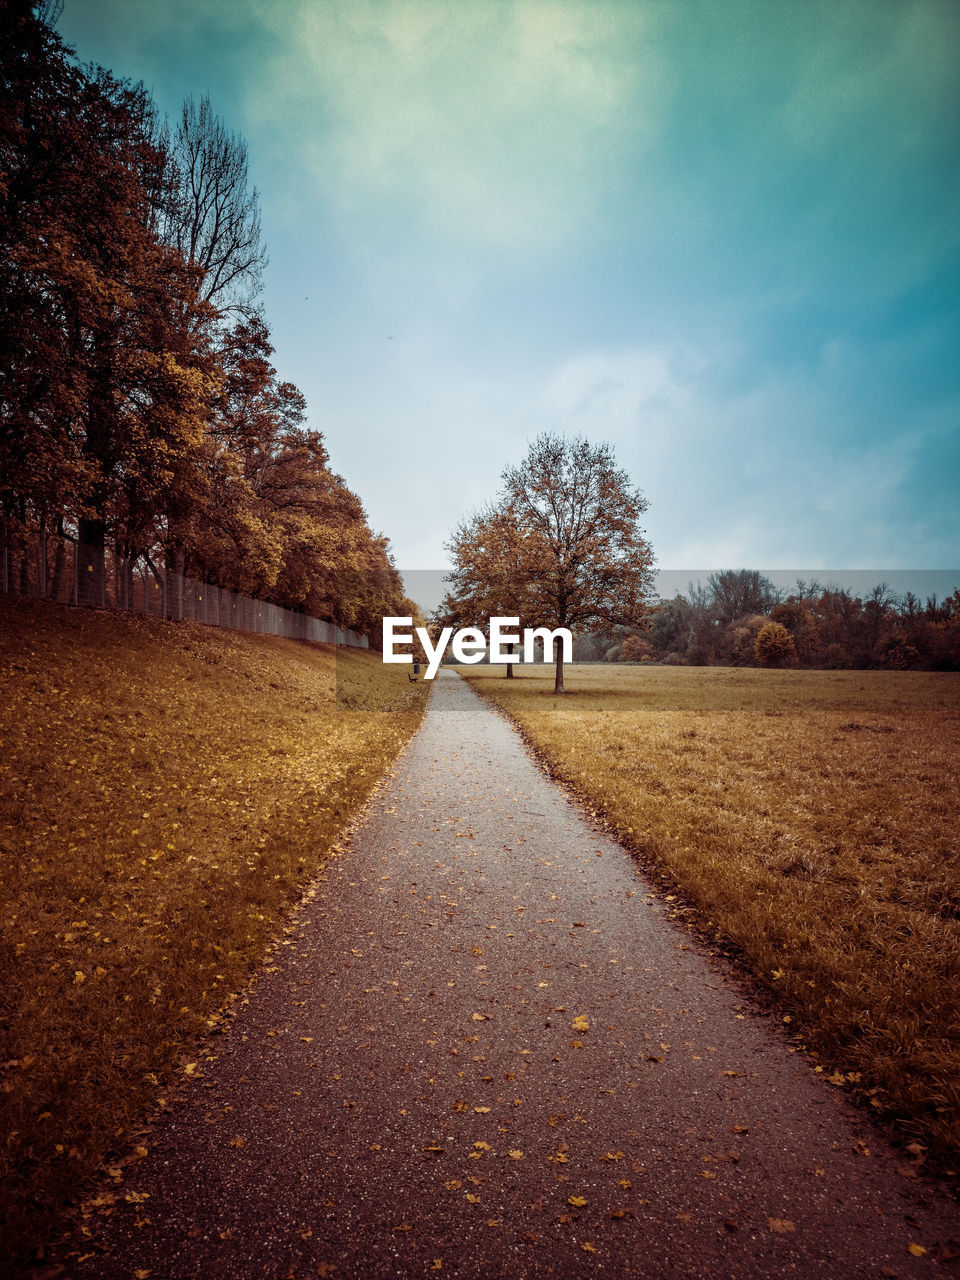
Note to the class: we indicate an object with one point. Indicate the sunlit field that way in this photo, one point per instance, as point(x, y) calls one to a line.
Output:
point(806, 822)
point(166, 792)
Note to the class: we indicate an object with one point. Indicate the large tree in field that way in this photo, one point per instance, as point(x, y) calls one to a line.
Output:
point(561, 546)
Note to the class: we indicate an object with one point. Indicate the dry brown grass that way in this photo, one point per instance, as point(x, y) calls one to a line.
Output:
point(810, 818)
point(166, 791)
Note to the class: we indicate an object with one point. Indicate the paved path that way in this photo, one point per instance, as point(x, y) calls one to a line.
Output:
point(405, 1092)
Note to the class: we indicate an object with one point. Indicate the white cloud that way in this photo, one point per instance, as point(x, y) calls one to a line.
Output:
point(494, 124)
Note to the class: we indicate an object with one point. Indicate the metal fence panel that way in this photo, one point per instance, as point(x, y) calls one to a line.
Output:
point(67, 572)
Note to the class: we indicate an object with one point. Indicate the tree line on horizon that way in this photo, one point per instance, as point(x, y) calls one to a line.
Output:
point(141, 415)
point(739, 618)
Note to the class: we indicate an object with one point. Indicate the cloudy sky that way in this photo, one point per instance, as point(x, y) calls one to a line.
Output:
point(721, 236)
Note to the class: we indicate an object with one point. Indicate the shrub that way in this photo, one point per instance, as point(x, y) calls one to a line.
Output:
point(636, 649)
point(774, 645)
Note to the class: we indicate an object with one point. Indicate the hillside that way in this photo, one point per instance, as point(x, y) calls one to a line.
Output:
point(167, 790)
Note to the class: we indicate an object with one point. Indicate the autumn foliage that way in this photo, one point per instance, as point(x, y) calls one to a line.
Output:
point(739, 618)
point(561, 546)
point(140, 411)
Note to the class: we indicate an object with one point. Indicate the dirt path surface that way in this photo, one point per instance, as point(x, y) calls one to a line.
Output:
point(411, 1088)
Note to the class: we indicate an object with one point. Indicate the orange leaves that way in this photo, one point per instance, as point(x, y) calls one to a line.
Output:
point(781, 1226)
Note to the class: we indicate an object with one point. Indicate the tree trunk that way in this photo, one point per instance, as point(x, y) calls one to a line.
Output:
point(510, 671)
point(61, 585)
point(91, 547)
point(558, 649)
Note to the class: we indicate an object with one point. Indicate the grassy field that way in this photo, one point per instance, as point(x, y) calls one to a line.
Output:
point(807, 822)
point(166, 792)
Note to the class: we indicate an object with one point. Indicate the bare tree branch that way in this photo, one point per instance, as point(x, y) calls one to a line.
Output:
point(214, 220)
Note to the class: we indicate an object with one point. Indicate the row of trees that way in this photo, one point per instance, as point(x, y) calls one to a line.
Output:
point(140, 412)
point(739, 618)
point(561, 546)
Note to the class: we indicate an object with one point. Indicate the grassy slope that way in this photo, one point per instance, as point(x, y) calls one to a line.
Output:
point(166, 790)
point(810, 819)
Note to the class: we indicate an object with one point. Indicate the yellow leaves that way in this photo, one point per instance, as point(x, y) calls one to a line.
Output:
point(838, 1078)
point(587, 1247)
point(612, 1156)
point(482, 1111)
point(781, 1226)
point(917, 1250)
point(580, 1023)
point(79, 977)
point(238, 1142)
point(453, 1184)
point(142, 1273)
point(776, 973)
point(190, 1069)
point(479, 1017)
point(472, 1198)
point(461, 1106)
point(515, 1154)
point(577, 1201)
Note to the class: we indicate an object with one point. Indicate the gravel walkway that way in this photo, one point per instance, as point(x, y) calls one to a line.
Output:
point(485, 1050)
